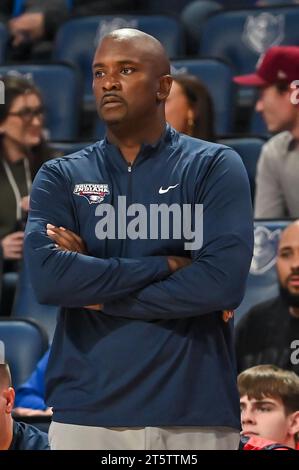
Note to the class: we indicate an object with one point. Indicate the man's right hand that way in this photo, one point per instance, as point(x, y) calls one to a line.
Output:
point(12, 246)
point(177, 262)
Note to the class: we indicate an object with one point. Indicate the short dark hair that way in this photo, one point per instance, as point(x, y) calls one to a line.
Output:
point(270, 381)
point(5, 376)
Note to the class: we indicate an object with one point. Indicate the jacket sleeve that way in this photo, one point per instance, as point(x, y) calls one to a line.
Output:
point(217, 276)
point(31, 394)
point(72, 279)
point(55, 13)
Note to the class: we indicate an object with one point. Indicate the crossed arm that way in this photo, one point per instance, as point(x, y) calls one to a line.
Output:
point(150, 288)
point(73, 278)
point(66, 240)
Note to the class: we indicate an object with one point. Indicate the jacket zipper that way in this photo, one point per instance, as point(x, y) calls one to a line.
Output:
point(129, 183)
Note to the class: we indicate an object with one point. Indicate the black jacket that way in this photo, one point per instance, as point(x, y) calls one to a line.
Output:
point(264, 336)
point(27, 437)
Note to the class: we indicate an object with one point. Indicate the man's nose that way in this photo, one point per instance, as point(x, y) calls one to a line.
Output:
point(247, 416)
point(111, 82)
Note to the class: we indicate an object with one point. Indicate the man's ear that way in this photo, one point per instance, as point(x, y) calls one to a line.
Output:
point(165, 83)
point(9, 395)
point(294, 423)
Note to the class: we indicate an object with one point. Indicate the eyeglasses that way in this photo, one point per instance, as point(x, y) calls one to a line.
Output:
point(27, 114)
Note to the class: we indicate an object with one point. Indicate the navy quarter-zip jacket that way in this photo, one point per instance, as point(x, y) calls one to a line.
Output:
point(160, 353)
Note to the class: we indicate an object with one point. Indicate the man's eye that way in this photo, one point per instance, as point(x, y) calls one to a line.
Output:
point(98, 74)
point(127, 70)
point(264, 408)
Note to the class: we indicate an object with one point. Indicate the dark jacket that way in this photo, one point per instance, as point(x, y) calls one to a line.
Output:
point(160, 352)
point(264, 336)
point(27, 437)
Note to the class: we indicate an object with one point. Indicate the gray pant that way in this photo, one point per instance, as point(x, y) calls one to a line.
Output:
point(74, 437)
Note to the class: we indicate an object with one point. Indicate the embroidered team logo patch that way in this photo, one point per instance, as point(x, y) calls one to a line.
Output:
point(94, 193)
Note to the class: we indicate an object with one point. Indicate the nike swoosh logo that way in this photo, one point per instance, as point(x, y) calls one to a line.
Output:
point(163, 191)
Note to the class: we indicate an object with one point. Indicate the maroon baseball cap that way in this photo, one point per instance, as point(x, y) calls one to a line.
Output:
point(278, 64)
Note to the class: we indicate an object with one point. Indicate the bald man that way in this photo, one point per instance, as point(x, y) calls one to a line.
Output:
point(269, 332)
point(118, 238)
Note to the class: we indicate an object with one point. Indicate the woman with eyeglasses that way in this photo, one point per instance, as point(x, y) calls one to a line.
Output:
point(22, 152)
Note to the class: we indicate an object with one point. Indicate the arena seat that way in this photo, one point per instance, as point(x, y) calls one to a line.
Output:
point(27, 306)
point(249, 149)
point(241, 36)
point(217, 76)
point(76, 40)
point(61, 91)
point(24, 344)
point(262, 280)
point(258, 125)
point(66, 148)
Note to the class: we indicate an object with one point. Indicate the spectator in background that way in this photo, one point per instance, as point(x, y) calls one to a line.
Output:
point(189, 108)
point(34, 23)
point(269, 332)
point(22, 151)
point(277, 179)
point(16, 435)
point(269, 399)
point(30, 396)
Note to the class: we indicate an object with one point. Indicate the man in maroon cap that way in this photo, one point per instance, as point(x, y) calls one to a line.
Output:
point(277, 180)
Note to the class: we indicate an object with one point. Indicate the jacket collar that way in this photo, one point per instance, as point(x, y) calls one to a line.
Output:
point(114, 155)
